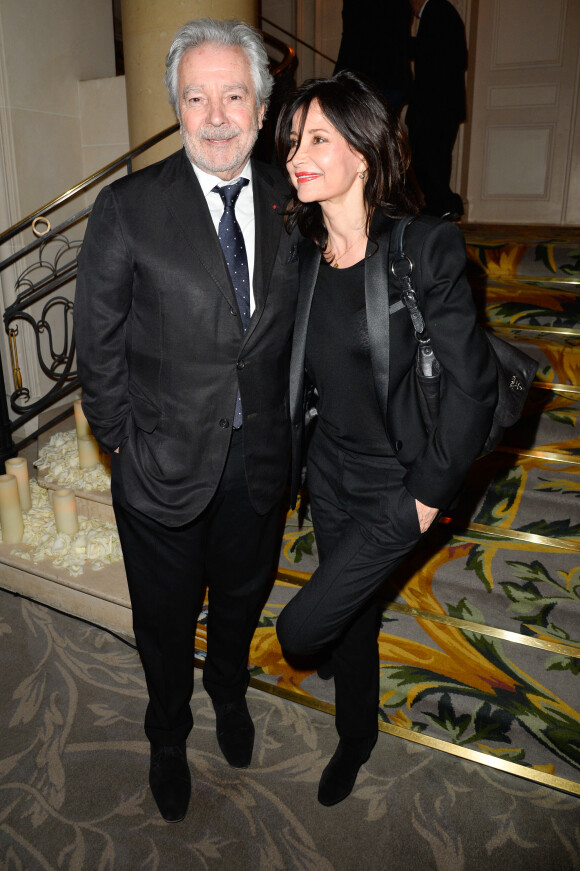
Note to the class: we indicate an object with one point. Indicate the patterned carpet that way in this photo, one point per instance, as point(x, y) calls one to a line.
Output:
point(74, 761)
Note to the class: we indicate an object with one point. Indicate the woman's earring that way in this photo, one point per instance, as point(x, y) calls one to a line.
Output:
point(362, 174)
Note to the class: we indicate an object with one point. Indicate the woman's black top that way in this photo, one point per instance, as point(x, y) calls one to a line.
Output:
point(338, 361)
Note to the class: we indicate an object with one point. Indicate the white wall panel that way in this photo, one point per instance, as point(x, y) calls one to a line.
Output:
point(530, 96)
point(523, 154)
point(528, 33)
point(517, 162)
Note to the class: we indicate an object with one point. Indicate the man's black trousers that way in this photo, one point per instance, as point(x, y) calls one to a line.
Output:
point(230, 548)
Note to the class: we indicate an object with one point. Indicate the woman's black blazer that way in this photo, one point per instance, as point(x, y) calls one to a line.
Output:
point(436, 463)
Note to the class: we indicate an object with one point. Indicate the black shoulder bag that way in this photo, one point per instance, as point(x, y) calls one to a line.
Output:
point(515, 370)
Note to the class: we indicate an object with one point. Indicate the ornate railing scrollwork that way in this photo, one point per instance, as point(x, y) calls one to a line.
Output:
point(47, 316)
point(41, 313)
point(59, 366)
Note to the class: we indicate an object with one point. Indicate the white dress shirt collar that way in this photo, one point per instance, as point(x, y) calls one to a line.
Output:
point(209, 181)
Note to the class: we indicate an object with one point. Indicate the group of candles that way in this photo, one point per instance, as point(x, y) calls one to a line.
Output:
point(15, 488)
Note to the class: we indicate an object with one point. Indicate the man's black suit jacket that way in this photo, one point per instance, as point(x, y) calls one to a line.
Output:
point(437, 463)
point(440, 54)
point(160, 346)
point(375, 42)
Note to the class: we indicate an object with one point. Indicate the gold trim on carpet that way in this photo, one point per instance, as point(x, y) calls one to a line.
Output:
point(534, 774)
point(541, 454)
point(539, 281)
point(558, 388)
point(293, 696)
point(505, 283)
point(538, 776)
point(534, 328)
point(513, 535)
point(297, 579)
point(483, 629)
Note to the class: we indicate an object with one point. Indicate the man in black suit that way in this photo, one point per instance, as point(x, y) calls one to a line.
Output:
point(437, 104)
point(183, 317)
point(374, 42)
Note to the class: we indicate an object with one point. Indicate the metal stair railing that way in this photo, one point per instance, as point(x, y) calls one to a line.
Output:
point(45, 269)
point(297, 39)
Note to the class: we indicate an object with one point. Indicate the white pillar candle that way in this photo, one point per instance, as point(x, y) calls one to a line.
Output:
point(81, 423)
point(88, 451)
point(64, 505)
point(18, 467)
point(10, 511)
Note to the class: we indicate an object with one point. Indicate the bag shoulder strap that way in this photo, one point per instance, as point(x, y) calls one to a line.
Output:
point(402, 269)
point(398, 238)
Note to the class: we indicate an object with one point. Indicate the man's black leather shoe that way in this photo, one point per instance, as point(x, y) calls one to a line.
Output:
point(338, 778)
point(170, 780)
point(235, 732)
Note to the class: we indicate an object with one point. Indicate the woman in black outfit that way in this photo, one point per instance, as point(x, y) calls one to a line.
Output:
point(376, 479)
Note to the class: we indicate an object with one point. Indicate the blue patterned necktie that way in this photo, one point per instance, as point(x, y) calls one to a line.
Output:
point(232, 242)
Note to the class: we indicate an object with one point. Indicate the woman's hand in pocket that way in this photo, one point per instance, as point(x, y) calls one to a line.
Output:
point(426, 515)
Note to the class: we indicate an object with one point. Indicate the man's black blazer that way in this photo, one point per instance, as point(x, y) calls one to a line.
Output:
point(440, 54)
point(374, 42)
point(160, 345)
point(437, 463)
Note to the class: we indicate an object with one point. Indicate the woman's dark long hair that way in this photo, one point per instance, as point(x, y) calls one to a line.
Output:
point(362, 116)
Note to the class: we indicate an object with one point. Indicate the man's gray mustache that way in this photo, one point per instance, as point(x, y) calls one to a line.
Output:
point(219, 134)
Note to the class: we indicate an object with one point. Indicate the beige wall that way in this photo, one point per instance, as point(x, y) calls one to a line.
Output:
point(103, 118)
point(47, 48)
